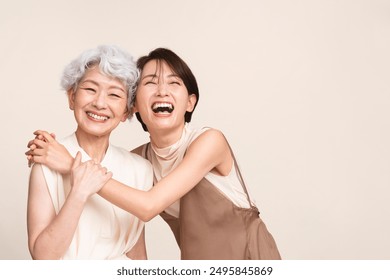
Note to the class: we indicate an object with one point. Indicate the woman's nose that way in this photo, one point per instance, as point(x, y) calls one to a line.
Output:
point(162, 89)
point(100, 100)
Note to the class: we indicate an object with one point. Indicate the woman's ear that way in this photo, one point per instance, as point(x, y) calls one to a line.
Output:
point(191, 102)
point(71, 97)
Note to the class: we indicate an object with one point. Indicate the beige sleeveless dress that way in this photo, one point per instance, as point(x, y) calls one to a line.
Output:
point(208, 225)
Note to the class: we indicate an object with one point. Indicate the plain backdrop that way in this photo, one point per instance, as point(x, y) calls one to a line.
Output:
point(300, 88)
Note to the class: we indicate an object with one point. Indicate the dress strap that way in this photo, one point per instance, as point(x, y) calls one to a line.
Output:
point(238, 171)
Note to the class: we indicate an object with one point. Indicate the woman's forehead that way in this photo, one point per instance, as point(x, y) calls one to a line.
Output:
point(157, 67)
point(96, 75)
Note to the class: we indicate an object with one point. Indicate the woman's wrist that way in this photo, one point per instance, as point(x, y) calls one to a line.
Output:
point(67, 167)
point(77, 195)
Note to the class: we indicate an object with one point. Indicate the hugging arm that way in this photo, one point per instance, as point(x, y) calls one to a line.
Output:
point(46, 150)
point(209, 152)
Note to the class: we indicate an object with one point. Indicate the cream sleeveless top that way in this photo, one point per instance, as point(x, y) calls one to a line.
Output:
point(164, 160)
point(104, 231)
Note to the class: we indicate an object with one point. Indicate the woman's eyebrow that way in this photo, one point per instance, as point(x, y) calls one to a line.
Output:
point(89, 81)
point(118, 88)
point(174, 76)
point(149, 76)
point(154, 76)
point(97, 84)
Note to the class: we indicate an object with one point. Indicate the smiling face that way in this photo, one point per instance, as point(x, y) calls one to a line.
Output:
point(99, 103)
point(162, 99)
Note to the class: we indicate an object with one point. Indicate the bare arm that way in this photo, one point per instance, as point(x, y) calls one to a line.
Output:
point(209, 152)
point(49, 235)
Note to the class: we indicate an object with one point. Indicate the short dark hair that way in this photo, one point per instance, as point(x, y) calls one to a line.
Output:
point(179, 67)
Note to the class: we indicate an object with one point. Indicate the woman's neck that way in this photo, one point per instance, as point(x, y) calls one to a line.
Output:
point(164, 138)
point(94, 146)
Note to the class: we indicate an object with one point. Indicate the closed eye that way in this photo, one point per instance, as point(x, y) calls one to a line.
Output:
point(175, 80)
point(90, 90)
point(115, 95)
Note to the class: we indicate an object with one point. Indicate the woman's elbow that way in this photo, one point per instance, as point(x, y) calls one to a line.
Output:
point(147, 217)
point(40, 254)
point(148, 213)
point(36, 256)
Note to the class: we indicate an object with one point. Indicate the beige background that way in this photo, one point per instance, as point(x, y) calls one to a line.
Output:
point(301, 89)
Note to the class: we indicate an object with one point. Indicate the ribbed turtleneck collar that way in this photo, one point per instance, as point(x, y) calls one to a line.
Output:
point(170, 152)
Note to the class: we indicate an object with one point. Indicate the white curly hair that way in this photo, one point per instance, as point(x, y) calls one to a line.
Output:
point(112, 61)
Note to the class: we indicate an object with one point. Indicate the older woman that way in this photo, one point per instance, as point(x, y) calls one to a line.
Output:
point(198, 189)
point(66, 218)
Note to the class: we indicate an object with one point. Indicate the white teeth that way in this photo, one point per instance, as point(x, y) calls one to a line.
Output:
point(162, 105)
point(100, 118)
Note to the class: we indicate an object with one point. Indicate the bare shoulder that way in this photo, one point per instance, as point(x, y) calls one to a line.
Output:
point(36, 171)
point(211, 150)
point(212, 140)
point(37, 179)
point(212, 136)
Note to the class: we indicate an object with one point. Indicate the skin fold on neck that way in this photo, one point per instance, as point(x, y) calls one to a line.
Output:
point(95, 146)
